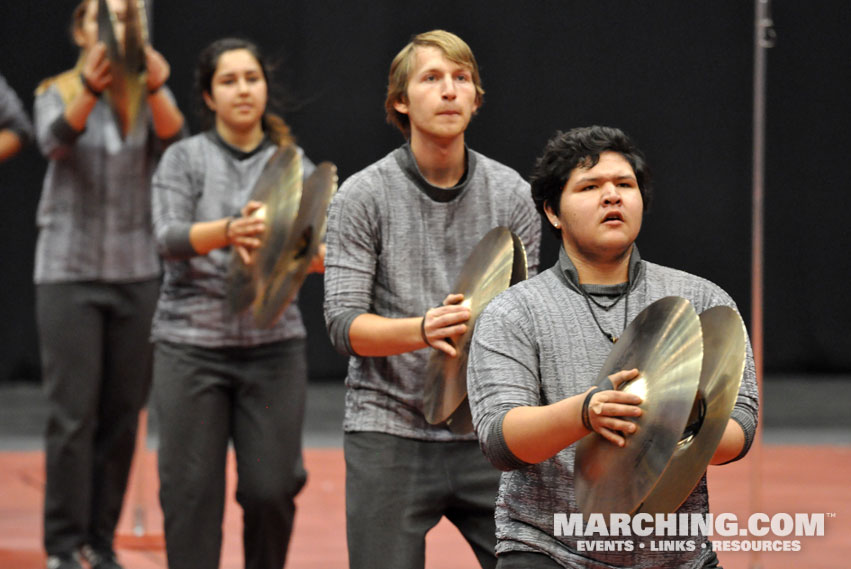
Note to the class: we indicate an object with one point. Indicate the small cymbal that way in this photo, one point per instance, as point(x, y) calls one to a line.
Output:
point(284, 263)
point(126, 93)
point(664, 343)
point(497, 262)
point(279, 188)
point(720, 378)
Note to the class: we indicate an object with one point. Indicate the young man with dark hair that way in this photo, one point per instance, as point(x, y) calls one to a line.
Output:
point(398, 235)
point(539, 346)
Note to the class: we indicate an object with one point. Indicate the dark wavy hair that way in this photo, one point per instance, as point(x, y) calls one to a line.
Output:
point(273, 125)
point(581, 147)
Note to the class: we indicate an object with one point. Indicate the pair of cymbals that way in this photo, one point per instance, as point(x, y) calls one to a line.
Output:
point(294, 214)
point(497, 262)
point(690, 369)
point(126, 53)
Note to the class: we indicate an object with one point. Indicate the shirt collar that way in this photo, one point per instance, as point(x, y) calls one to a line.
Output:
point(567, 271)
point(405, 159)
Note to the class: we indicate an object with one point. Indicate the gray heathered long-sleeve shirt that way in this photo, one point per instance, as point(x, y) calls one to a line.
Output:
point(204, 179)
point(536, 344)
point(13, 117)
point(395, 246)
point(94, 215)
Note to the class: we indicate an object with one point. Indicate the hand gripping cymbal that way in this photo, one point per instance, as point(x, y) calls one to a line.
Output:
point(128, 89)
point(497, 262)
point(279, 188)
point(664, 343)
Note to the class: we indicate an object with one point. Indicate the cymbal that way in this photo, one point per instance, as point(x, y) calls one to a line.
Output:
point(279, 188)
point(284, 261)
point(720, 378)
point(126, 93)
point(497, 262)
point(664, 343)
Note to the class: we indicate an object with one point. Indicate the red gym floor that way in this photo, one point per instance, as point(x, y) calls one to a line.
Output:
point(791, 479)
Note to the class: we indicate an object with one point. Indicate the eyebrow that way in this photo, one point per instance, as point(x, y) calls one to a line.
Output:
point(585, 179)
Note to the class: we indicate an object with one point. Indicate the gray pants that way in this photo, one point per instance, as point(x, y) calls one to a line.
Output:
point(205, 397)
point(397, 489)
point(531, 560)
point(96, 370)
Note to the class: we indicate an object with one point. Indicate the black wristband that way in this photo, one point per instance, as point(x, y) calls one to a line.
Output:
point(586, 420)
point(88, 86)
point(422, 330)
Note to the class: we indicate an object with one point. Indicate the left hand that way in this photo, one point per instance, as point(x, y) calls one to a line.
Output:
point(158, 68)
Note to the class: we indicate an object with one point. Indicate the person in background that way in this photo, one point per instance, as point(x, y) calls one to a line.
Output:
point(538, 347)
point(399, 232)
point(97, 275)
point(16, 130)
point(218, 377)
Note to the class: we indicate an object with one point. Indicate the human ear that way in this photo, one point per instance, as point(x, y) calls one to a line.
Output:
point(552, 217)
point(401, 105)
point(208, 100)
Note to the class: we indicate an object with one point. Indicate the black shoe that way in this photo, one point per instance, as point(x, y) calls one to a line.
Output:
point(100, 559)
point(63, 562)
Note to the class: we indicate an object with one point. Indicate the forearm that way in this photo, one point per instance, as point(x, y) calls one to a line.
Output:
point(372, 335)
point(731, 445)
point(10, 144)
point(168, 120)
point(206, 236)
point(535, 434)
point(78, 110)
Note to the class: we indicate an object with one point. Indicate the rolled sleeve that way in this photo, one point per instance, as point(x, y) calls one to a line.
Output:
point(55, 137)
point(501, 375)
point(13, 117)
point(173, 206)
point(350, 262)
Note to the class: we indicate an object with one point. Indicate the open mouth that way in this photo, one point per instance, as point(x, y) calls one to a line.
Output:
point(614, 216)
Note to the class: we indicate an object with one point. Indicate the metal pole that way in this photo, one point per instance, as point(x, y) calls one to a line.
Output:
point(764, 37)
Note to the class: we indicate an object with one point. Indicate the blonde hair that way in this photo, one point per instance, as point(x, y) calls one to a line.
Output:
point(454, 48)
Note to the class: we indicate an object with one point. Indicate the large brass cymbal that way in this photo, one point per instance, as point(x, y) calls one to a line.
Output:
point(720, 378)
point(126, 93)
point(279, 188)
point(284, 262)
point(497, 262)
point(664, 343)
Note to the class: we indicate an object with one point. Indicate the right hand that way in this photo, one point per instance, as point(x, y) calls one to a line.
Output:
point(245, 233)
point(96, 68)
point(446, 322)
point(607, 409)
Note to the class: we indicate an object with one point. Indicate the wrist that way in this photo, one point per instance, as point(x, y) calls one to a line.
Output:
point(227, 230)
point(585, 413)
point(89, 87)
point(423, 330)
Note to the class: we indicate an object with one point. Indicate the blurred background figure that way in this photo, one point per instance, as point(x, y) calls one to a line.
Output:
point(97, 279)
point(218, 377)
point(16, 131)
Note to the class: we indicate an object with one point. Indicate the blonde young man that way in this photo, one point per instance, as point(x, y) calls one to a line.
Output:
point(399, 232)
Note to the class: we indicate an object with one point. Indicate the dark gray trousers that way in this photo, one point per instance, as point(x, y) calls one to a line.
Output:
point(205, 397)
point(397, 489)
point(96, 371)
point(531, 560)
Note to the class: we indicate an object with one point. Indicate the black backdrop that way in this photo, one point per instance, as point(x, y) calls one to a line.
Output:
point(675, 75)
